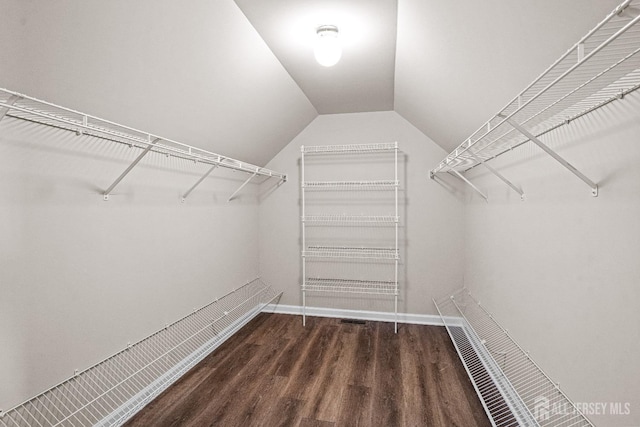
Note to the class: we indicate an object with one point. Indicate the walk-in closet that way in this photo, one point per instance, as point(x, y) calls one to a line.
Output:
point(319, 213)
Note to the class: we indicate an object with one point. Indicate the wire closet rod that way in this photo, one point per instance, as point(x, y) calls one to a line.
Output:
point(567, 95)
point(568, 120)
point(81, 123)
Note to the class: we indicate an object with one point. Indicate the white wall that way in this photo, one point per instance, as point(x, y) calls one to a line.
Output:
point(81, 277)
point(449, 53)
point(198, 73)
point(561, 270)
point(431, 233)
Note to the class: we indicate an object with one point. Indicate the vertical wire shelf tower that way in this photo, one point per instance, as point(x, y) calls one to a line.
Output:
point(346, 250)
point(112, 391)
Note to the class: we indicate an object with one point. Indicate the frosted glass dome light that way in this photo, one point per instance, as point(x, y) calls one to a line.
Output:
point(328, 50)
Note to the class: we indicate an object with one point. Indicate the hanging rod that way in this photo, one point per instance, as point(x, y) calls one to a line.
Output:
point(20, 106)
point(600, 68)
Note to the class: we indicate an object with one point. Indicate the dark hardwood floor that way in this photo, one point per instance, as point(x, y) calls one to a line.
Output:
point(274, 372)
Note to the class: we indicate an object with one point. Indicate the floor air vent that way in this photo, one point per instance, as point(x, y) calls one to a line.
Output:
point(514, 391)
point(354, 321)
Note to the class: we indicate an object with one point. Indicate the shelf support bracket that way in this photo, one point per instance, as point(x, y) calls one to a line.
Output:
point(242, 186)
point(185, 195)
point(486, 199)
point(497, 174)
point(4, 110)
point(556, 156)
point(131, 166)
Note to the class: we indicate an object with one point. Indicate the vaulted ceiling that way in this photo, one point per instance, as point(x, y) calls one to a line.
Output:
point(459, 62)
point(363, 79)
point(239, 78)
point(446, 66)
point(195, 71)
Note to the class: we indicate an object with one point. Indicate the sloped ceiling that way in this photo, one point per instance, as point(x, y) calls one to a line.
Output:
point(363, 79)
point(456, 62)
point(195, 71)
point(459, 62)
point(234, 78)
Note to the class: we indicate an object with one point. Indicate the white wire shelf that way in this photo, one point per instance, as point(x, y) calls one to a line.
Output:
point(350, 185)
point(600, 68)
point(350, 219)
point(20, 106)
point(112, 391)
point(349, 148)
point(376, 287)
point(329, 240)
point(350, 252)
point(514, 390)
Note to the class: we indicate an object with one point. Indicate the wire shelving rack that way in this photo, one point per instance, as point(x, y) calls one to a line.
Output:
point(600, 68)
point(350, 219)
point(513, 389)
point(353, 254)
point(112, 391)
point(350, 148)
point(23, 107)
point(313, 251)
point(380, 287)
point(350, 185)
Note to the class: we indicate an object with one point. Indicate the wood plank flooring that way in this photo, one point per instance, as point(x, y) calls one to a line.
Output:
point(274, 372)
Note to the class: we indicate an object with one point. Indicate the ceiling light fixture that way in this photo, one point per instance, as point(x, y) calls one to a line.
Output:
point(328, 50)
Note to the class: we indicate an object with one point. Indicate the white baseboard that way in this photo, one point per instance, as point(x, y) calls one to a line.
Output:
point(379, 316)
point(128, 409)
